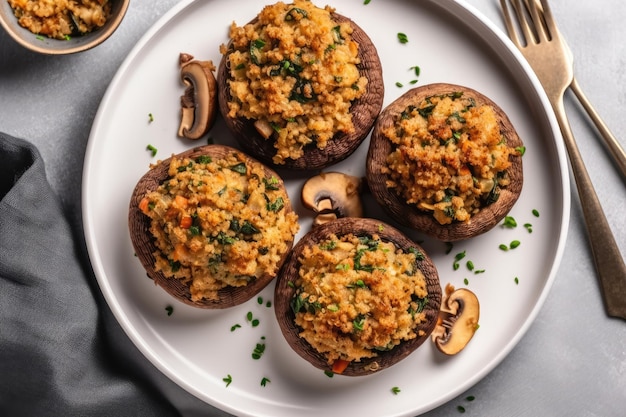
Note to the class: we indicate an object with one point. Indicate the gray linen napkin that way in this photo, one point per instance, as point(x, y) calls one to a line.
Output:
point(56, 355)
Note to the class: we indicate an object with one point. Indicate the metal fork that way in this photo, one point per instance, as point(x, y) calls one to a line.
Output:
point(553, 64)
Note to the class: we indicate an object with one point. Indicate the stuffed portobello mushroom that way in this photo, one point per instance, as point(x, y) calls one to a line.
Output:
point(299, 86)
point(356, 296)
point(211, 226)
point(445, 160)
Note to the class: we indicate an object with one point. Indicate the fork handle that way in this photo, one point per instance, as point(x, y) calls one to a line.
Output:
point(614, 146)
point(609, 264)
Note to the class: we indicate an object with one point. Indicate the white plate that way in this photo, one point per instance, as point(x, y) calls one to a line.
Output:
point(451, 43)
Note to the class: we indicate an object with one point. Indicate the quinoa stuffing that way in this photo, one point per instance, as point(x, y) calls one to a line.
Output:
point(356, 296)
point(219, 222)
point(450, 156)
point(294, 71)
point(60, 19)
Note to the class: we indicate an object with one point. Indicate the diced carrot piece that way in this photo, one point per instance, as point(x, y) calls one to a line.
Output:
point(186, 222)
point(340, 365)
point(144, 205)
point(180, 252)
point(181, 201)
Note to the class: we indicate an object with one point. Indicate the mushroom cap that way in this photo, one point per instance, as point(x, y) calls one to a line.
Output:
point(364, 112)
point(143, 241)
point(409, 215)
point(284, 292)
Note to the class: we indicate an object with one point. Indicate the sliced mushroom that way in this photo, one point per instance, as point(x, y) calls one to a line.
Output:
point(332, 195)
point(199, 101)
point(458, 320)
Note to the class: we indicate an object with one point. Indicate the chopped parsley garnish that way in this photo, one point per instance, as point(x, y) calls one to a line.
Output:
point(395, 390)
point(509, 222)
point(152, 149)
point(228, 379)
point(264, 381)
point(235, 327)
point(403, 38)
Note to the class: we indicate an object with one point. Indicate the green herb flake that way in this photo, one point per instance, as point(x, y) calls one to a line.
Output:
point(403, 38)
point(528, 227)
point(470, 398)
point(258, 351)
point(259, 300)
point(395, 390)
point(330, 374)
point(521, 150)
point(399, 84)
point(457, 258)
point(460, 409)
point(235, 327)
point(509, 222)
point(150, 118)
point(264, 381)
point(268, 304)
point(255, 322)
point(470, 265)
point(535, 213)
point(228, 379)
point(516, 281)
point(152, 149)
point(249, 316)
point(466, 281)
point(514, 244)
point(449, 247)
point(169, 310)
point(240, 168)
point(503, 247)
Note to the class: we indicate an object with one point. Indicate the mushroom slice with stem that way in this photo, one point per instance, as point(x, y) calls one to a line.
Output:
point(458, 320)
point(199, 102)
point(332, 195)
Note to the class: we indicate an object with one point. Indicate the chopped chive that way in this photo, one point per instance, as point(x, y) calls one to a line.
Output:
point(403, 38)
point(264, 381)
point(503, 247)
point(466, 281)
point(395, 390)
point(150, 118)
point(460, 409)
point(259, 300)
point(228, 379)
point(255, 322)
point(535, 213)
point(235, 327)
point(514, 244)
point(152, 149)
point(529, 227)
point(470, 265)
point(399, 84)
point(510, 222)
point(169, 310)
point(516, 280)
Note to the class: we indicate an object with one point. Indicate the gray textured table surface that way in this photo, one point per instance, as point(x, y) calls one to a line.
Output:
point(571, 362)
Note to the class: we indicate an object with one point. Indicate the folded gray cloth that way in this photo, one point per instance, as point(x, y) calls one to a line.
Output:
point(56, 355)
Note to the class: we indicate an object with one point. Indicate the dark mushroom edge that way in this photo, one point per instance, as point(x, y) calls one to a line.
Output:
point(285, 290)
point(364, 112)
point(143, 241)
point(409, 215)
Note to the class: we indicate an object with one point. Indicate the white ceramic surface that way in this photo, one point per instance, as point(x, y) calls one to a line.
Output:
point(196, 348)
